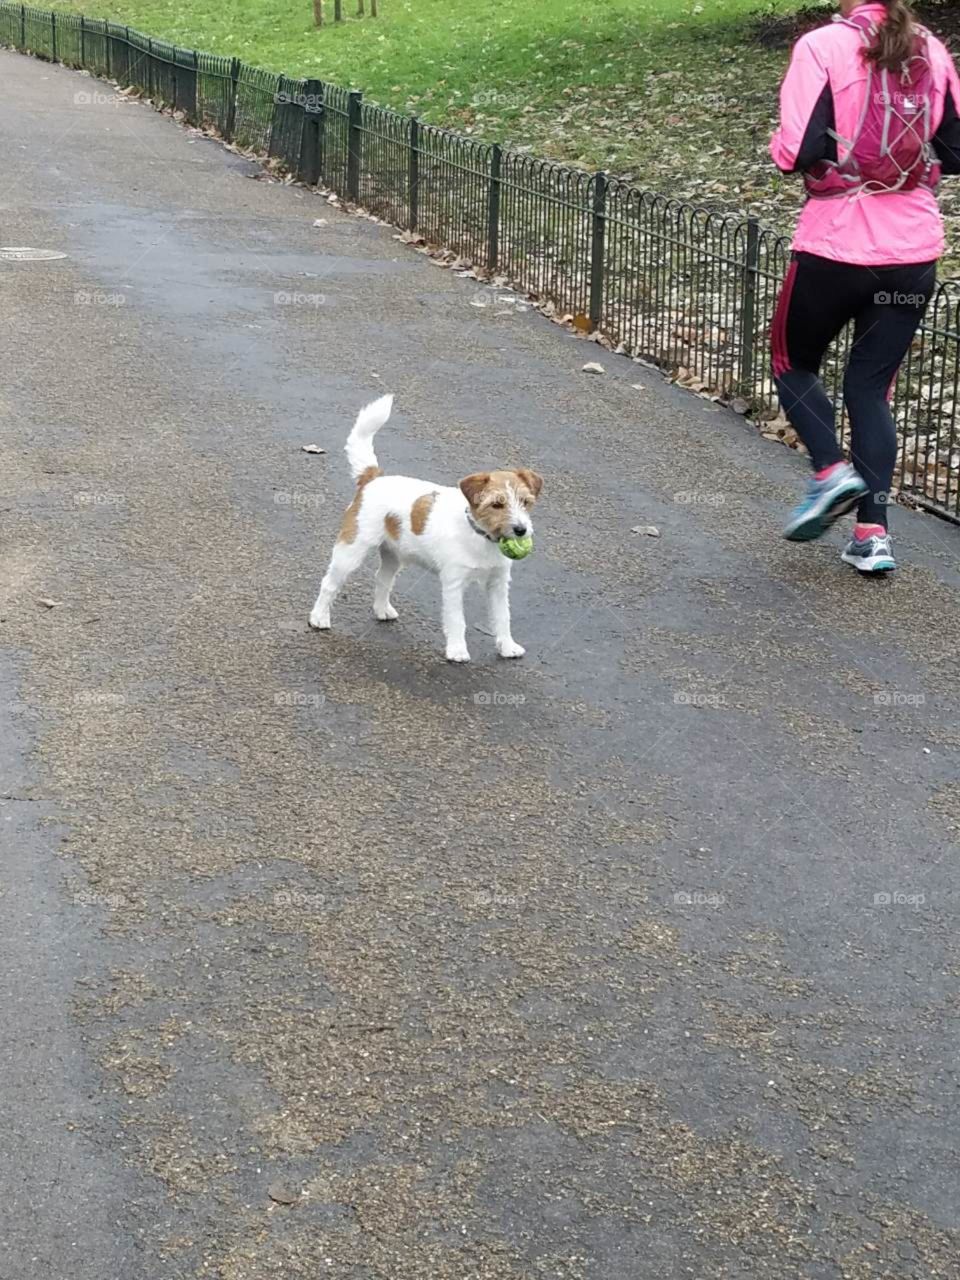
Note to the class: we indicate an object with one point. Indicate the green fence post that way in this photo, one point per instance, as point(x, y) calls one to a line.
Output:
point(53, 35)
point(354, 145)
point(23, 27)
point(493, 209)
point(598, 234)
point(748, 323)
point(83, 43)
point(232, 104)
point(413, 174)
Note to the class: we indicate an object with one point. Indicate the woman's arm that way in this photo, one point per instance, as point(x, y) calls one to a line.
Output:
point(806, 113)
point(946, 141)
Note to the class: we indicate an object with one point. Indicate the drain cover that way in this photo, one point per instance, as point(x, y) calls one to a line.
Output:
point(29, 255)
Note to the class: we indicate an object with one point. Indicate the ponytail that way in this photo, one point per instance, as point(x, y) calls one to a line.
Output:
point(896, 38)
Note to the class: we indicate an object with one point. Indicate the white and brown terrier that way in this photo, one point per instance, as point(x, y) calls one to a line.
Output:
point(414, 521)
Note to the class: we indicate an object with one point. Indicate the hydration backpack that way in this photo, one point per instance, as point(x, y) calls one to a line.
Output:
point(890, 149)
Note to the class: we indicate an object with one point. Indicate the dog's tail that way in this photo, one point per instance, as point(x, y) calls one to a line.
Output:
point(359, 446)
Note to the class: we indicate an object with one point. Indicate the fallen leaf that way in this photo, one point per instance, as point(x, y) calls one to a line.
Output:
point(593, 367)
point(582, 323)
point(650, 530)
point(282, 1193)
point(312, 448)
point(47, 602)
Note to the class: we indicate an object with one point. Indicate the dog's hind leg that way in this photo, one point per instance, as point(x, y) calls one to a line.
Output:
point(346, 559)
point(386, 576)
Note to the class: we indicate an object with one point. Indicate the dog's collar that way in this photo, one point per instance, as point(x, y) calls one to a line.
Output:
point(476, 528)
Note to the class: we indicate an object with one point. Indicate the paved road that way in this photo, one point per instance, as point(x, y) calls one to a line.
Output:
point(569, 968)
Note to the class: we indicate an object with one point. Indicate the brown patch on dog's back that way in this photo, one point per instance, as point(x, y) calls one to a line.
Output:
point(366, 476)
point(392, 525)
point(420, 511)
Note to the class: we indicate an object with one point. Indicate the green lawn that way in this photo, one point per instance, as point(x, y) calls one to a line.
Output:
point(679, 97)
point(618, 84)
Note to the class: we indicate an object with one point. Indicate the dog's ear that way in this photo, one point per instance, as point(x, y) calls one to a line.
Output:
point(530, 478)
point(472, 486)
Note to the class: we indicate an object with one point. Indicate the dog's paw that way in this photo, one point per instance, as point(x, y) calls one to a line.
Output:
point(457, 653)
point(387, 614)
point(510, 649)
point(319, 621)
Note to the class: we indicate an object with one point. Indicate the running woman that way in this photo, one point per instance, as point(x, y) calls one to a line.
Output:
point(869, 116)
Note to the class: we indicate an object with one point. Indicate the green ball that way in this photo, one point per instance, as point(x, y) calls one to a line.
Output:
point(516, 548)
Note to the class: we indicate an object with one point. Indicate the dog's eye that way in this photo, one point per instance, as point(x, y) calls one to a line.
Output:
point(498, 505)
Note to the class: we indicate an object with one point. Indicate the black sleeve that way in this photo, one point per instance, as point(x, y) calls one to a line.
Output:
point(818, 143)
point(946, 141)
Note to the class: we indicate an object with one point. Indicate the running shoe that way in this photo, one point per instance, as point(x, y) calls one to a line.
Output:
point(824, 502)
point(870, 555)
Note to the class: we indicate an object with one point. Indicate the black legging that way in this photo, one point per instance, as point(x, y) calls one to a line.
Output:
point(886, 304)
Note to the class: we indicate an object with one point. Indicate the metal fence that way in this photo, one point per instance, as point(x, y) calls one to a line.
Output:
point(689, 290)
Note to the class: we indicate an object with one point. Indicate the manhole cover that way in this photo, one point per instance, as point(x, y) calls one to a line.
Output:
point(29, 255)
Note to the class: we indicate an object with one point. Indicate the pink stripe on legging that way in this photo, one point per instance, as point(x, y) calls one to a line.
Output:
point(778, 330)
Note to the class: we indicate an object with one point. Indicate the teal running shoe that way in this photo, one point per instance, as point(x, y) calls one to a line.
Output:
point(824, 502)
point(870, 555)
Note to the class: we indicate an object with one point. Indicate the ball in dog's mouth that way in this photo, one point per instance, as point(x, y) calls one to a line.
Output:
point(516, 548)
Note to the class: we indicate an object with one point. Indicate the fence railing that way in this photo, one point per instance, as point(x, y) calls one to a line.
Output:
point(690, 290)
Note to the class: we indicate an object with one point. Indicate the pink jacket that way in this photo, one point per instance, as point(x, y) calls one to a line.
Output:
point(824, 89)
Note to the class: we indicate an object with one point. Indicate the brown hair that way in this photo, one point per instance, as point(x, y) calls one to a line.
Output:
point(896, 37)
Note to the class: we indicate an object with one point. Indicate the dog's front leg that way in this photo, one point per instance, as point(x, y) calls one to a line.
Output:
point(498, 599)
point(454, 623)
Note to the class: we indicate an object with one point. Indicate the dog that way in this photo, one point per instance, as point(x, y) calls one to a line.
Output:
point(454, 532)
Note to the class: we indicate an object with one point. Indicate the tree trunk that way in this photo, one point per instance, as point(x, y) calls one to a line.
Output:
point(359, 8)
point(318, 12)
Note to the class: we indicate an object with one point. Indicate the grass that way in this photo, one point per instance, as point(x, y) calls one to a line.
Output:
point(681, 98)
